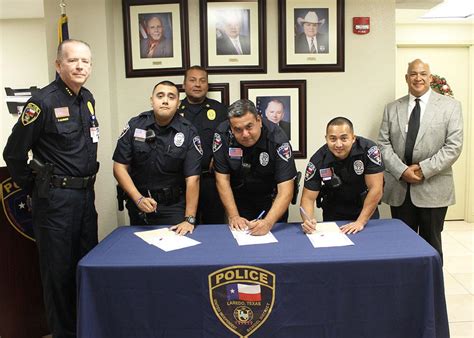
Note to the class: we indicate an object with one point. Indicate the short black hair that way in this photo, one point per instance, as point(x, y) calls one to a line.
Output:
point(339, 121)
point(241, 107)
point(166, 83)
point(195, 67)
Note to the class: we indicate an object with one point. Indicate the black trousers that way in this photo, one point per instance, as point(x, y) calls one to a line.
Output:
point(250, 207)
point(427, 222)
point(65, 227)
point(330, 215)
point(164, 215)
point(210, 209)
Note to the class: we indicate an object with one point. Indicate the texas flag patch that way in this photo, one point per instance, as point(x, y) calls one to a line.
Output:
point(217, 143)
point(284, 151)
point(374, 155)
point(197, 144)
point(310, 171)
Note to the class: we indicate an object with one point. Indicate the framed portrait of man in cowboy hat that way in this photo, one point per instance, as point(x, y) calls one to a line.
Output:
point(311, 37)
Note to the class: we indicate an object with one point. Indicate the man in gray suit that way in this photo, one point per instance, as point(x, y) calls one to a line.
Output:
point(420, 138)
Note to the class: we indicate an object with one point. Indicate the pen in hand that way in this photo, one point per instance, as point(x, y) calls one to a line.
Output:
point(149, 195)
point(306, 216)
point(259, 217)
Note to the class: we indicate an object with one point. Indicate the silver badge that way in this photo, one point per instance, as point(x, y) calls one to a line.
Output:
point(264, 158)
point(179, 139)
point(359, 167)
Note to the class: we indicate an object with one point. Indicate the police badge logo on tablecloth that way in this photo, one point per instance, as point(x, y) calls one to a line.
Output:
point(242, 297)
point(359, 167)
point(284, 151)
point(264, 159)
point(30, 113)
point(310, 171)
point(374, 155)
point(16, 208)
point(179, 139)
point(197, 144)
point(217, 143)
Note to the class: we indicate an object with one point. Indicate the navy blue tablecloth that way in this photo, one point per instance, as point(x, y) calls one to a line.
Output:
point(389, 284)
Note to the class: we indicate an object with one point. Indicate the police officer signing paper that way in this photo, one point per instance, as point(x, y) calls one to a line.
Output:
point(59, 125)
point(157, 162)
point(345, 176)
point(255, 169)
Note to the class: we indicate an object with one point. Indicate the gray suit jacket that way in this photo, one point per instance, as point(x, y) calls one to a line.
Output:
point(437, 146)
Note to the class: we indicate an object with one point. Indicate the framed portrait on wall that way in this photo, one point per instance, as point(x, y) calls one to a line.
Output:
point(217, 91)
point(284, 103)
point(311, 35)
point(155, 37)
point(233, 36)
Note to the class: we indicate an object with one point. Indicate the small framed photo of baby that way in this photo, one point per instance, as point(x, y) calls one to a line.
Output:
point(156, 37)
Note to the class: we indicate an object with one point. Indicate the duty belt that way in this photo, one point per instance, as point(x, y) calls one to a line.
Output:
point(71, 182)
point(166, 196)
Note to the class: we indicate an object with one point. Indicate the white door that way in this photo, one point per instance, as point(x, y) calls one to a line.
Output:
point(451, 63)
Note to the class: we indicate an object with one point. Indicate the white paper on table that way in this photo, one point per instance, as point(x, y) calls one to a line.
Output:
point(245, 238)
point(327, 235)
point(166, 239)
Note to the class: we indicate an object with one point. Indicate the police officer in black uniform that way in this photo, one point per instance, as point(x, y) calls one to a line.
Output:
point(345, 176)
point(255, 169)
point(59, 125)
point(205, 114)
point(157, 163)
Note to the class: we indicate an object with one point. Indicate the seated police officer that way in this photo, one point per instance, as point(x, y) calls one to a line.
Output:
point(255, 169)
point(345, 176)
point(157, 162)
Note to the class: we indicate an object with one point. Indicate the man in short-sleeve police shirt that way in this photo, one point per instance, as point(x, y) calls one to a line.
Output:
point(345, 176)
point(255, 169)
point(205, 114)
point(157, 162)
point(60, 127)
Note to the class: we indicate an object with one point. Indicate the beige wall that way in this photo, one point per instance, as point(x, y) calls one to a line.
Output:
point(22, 66)
point(358, 93)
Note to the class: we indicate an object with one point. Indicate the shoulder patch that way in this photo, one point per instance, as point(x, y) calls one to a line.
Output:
point(124, 131)
point(30, 113)
point(197, 144)
point(284, 151)
point(310, 171)
point(374, 155)
point(217, 143)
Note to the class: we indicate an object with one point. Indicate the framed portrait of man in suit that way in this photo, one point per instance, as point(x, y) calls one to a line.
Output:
point(155, 37)
point(311, 35)
point(233, 36)
point(282, 102)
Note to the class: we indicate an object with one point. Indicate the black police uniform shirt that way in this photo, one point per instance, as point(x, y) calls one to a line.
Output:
point(61, 128)
point(364, 159)
point(206, 117)
point(159, 157)
point(269, 162)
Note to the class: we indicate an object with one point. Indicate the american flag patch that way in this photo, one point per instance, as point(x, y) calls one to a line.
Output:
point(326, 173)
point(235, 152)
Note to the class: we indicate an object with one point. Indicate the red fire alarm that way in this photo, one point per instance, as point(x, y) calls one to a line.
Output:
point(361, 25)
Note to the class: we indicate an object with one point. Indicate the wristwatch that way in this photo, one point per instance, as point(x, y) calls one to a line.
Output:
point(190, 219)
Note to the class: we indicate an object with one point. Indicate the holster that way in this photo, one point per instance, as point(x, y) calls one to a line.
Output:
point(296, 189)
point(43, 174)
point(121, 197)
